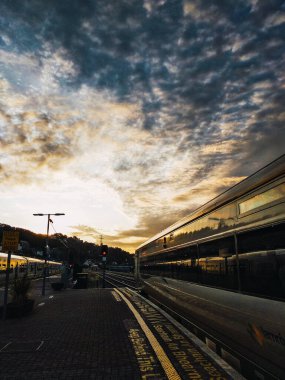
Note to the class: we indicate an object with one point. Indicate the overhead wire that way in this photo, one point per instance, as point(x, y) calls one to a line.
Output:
point(61, 240)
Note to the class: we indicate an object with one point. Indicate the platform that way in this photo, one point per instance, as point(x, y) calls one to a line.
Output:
point(103, 334)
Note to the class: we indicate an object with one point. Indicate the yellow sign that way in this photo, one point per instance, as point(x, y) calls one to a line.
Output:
point(10, 241)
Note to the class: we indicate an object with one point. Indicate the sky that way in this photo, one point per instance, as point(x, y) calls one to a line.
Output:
point(126, 115)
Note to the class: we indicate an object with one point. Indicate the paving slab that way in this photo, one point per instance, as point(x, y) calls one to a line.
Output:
point(76, 334)
point(103, 334)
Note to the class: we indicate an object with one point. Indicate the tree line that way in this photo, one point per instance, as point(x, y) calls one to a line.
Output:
point(71, 250)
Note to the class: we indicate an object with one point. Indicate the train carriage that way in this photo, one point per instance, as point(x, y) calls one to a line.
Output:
point(223, 266)
point(20, 265)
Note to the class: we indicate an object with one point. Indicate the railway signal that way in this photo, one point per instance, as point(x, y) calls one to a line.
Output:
point(104, 250)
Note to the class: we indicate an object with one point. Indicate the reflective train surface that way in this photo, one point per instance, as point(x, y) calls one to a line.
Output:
point(21, 265)
point(223, 268)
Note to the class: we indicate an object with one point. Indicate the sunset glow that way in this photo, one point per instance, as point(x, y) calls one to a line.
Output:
point(128, 115)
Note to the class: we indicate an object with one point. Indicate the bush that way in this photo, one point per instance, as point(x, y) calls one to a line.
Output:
point(20, 289)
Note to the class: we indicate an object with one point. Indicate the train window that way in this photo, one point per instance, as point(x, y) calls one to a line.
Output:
point(217, 265)
point(217, 248)
point(219, 220)
point(268, 238)
point(193, 251)
point(260, 262)
point(262, 273)
point(177, 255)
point(262, 199)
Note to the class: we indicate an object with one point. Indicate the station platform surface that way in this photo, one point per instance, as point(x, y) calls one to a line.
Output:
point(103, 334)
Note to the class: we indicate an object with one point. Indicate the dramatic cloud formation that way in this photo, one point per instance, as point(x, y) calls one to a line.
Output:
point(126, 115)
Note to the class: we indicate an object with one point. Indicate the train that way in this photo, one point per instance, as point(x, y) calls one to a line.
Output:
point(222, 268)
point(31, 266)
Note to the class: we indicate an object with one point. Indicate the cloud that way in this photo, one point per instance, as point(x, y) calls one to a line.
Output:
point(128, 242)
point(152, 99)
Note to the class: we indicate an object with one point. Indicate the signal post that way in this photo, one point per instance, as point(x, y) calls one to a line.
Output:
point(104, 253)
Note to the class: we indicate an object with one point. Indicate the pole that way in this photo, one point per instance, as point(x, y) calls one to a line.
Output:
point(104, 258)
point(46, 254)
point(47, 248)
point(6, 286)
point(104, 271)
point(137, 269)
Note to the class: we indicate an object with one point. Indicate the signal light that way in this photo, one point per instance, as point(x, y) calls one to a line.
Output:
point(104, 250)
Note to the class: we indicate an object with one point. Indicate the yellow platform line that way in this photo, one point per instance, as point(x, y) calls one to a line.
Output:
point(169, 370)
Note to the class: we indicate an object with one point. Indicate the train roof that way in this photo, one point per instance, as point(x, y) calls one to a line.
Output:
point(264, 175)
point(33, 259)
point(4, 255)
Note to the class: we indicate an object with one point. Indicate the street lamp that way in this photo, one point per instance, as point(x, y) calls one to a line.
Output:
point(47, 247)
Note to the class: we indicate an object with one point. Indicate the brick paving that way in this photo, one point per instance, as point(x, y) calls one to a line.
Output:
point(92, 334)
point(76, 334)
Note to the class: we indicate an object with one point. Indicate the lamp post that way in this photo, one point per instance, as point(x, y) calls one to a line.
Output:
point(47, 247)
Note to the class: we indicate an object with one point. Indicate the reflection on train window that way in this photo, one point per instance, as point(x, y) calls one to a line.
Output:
point(222, 247)
point(262, 199)
point(260, 273)
point(269, 238)
point(219, 220)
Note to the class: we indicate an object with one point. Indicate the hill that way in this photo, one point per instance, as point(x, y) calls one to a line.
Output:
point(66, 249)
